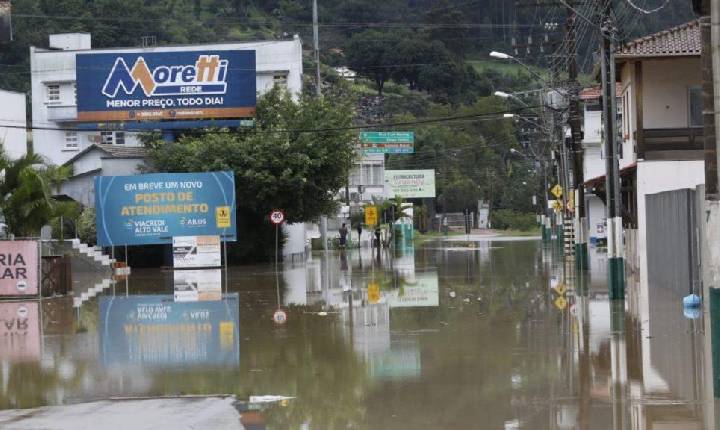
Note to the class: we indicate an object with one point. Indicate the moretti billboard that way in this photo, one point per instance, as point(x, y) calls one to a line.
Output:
point(157, 86)
point(151, 209)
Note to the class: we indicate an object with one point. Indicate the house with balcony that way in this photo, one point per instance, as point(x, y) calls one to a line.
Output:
point(661, 126)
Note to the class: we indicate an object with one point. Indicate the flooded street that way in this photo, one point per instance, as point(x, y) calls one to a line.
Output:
point(487, 334)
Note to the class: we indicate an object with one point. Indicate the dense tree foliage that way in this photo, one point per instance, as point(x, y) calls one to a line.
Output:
point(296, 158)
point(462, 28)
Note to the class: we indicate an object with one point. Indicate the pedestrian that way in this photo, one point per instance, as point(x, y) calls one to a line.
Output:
point(377, 236)
point(359, 230)
point(343, 236)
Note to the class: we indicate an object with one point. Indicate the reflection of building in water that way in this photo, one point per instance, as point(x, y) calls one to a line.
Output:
point(646, 368)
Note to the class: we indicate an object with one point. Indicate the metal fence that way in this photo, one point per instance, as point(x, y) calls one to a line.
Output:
point(673, 251)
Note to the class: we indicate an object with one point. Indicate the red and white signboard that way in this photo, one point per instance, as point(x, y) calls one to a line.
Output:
point(19, 331)
point(277, 217)
point(19, 266)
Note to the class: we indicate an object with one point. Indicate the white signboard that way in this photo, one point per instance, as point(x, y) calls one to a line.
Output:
point(196, 251)
point(410, 184)
point(424, 292)
point(197, 285)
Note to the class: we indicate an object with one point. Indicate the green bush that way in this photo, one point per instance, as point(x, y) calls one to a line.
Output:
point(86, 226)
point(508, 219)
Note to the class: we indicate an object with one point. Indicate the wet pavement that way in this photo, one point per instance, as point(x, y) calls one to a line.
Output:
point(481, 334)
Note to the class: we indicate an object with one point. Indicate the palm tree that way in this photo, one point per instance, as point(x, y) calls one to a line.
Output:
point(25, 199)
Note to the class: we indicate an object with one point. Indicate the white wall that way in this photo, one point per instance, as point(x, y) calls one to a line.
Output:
point(13, 135)
point(596, 214)
point(658, 176)
point(59, 67)
point(665, 91)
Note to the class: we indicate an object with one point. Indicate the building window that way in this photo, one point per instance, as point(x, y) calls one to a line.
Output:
point(112, 138)
point(695, 106)
point(53, 93)
point(280, 81)
point(71, 141)
point(106, 137)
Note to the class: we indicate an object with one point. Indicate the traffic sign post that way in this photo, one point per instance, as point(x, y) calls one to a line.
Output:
point(557, 191)
point(277, 217)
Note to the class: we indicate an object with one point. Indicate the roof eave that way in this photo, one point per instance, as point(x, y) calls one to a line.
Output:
point(653, 56)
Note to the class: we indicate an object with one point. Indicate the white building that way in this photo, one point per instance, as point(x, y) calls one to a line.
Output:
point(54, 89)
point(660, 77)
point(13, 133)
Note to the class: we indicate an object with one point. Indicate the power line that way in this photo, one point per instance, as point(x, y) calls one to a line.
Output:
point(648, 11)
point(494, 115)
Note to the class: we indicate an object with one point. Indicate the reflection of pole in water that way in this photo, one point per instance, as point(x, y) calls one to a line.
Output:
point(618, 360)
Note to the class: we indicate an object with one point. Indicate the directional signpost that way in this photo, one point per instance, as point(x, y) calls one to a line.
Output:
point(387, 142)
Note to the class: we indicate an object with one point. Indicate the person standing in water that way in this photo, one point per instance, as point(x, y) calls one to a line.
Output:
point(359, 230)
point(343, 236)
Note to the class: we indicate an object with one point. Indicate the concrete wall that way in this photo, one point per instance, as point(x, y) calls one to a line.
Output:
point(58, 67)
point(594, 165)
point(596, 213)
point(665, 91)
point(13, 135)
point(655, 177)
point(82, 189)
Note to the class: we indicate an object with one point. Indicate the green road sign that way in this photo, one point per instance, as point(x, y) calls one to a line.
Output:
point(388, 142)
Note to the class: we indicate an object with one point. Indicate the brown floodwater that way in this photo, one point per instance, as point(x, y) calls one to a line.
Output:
point(447, 335)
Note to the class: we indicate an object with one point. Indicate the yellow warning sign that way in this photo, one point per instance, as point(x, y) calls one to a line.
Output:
point(557, 205)
point(227, 335)
point(371, 215)
point(222, 216)
point(373, 292)
point(557, 191)
point(561, 303)
point(560, 288)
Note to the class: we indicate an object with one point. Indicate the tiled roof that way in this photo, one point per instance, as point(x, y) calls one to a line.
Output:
point(683, 40)
point(113, 151)
point(116, 151)
point(591, 93)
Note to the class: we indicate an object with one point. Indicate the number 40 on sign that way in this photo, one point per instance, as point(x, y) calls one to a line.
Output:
point(277, 217)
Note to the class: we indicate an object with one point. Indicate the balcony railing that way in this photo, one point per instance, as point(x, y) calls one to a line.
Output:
point(686, 140)
point(62, 113)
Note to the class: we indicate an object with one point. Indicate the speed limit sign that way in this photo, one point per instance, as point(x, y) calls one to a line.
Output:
point(277, 217)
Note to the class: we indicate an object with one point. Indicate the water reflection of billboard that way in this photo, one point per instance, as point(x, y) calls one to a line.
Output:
point(423, 292)
point(197, 285)
point(155, 330)
point(401, 361)
point(19, 331)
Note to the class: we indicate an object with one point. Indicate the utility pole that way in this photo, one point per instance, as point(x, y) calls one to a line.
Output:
point(581, 250)
point(316, 49)
point(616, 261)
point(318, 93)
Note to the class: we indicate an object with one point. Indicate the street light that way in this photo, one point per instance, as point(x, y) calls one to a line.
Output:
point(500, 55)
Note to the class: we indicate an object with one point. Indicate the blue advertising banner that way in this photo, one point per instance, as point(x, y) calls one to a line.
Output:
point(155, 330)
point(151, 209)
point(154, 86)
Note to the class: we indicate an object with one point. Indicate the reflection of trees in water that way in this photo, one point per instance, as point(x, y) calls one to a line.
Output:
point(307, 359)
